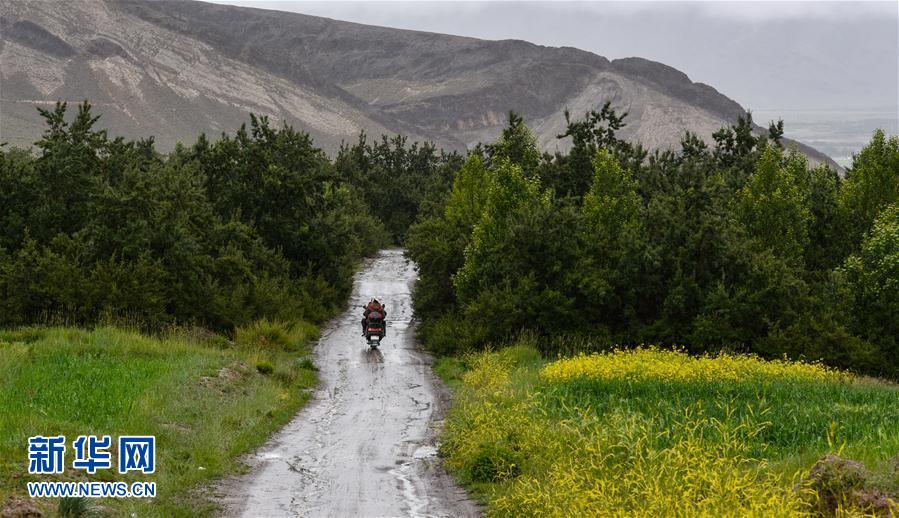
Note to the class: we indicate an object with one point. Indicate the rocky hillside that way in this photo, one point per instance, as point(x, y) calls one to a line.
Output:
point(175, 68)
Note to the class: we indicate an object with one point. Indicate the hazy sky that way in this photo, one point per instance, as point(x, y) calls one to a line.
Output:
point(769, 56)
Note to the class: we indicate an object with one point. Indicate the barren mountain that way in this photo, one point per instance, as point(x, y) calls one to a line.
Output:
point(173, 69)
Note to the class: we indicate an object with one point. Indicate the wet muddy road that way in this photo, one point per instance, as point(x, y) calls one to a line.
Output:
point(365, 445)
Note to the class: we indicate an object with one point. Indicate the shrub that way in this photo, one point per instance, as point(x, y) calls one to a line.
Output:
point(275, 335)
point(303, 333)
point(76, 507)
point(451, 334)
point(263, 334)
point(493, 462)
point(265, 368)
point(306, 363)
point(284, 375)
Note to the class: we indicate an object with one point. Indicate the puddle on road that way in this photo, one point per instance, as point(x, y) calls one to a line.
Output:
point(425, 452)
point(405, 473)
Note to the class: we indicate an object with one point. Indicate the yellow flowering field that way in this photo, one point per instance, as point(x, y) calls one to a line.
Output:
point(654, 363)
point(653, 432)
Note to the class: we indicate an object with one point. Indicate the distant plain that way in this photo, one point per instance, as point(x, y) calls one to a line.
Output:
point(836, 133)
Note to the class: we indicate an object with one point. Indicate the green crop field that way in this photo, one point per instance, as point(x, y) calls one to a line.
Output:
point(651, 432)
point(206, 400)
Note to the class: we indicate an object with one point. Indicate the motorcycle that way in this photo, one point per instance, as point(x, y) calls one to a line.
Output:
point(375, 328)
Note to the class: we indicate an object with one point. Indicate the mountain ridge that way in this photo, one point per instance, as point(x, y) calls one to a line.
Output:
point(177, 68)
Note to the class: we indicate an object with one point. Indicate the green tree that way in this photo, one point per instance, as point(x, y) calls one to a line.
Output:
point(871, 183)
point(823, 252)
point(610, 234)
point(597, 130)
point(514, 277)
point(217, 234)
point(273, 180)
point(397, 180)
point(873, 278)
point(510, 195)
point(518, 145)
point(772, 207)
point(437, 244)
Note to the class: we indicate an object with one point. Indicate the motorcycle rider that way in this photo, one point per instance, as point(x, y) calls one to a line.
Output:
point(373, 305)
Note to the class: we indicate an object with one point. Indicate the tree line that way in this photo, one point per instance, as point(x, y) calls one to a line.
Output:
point(256, 224)
point(738, 245)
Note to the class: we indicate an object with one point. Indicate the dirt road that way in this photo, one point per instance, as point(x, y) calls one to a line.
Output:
point(365, 446)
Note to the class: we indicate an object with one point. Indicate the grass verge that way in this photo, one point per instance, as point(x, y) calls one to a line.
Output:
point(660, 433)
point(450, 370)
point(205, 399)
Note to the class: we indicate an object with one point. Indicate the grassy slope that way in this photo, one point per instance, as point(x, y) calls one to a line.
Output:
point(204, 400)
point(658, 433)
